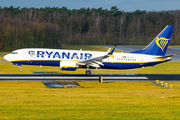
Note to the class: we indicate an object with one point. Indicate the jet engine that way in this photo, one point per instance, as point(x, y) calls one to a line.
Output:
point(68, 65)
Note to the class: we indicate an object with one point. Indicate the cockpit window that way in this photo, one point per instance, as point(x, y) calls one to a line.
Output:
point(14, 52)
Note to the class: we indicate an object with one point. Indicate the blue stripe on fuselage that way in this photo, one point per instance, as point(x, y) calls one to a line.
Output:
point(129, 65)
point(45, 63)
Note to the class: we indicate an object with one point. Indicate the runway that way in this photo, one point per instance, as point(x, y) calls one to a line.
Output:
point(94, 77)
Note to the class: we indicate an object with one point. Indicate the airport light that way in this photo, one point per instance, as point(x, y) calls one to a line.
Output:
point(162, 83)
point(166, 85)
point(170, 86)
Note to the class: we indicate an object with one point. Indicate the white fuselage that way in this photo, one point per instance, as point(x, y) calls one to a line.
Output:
point(52, 57)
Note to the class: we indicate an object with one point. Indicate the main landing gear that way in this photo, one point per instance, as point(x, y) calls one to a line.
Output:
point(88, 72)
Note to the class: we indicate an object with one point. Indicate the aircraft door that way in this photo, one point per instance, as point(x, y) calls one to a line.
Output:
point(25, 54)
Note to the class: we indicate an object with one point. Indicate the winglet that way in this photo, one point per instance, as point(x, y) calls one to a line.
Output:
point(110, 53)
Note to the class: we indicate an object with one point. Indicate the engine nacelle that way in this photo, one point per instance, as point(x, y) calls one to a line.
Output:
point(68, 65)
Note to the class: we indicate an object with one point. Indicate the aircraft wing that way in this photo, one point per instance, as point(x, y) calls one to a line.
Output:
point(95, 62)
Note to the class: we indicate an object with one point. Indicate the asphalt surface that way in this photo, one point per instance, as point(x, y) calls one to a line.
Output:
point(93, 77)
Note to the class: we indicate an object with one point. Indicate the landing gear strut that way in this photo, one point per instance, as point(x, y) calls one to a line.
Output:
point(20, 70)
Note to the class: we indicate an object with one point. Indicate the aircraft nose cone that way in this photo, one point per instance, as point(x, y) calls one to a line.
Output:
point(7, 57)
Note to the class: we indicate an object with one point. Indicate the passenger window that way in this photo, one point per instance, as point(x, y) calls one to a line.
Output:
point(14, 52)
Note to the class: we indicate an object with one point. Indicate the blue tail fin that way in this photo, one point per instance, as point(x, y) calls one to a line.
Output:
point(160, 44)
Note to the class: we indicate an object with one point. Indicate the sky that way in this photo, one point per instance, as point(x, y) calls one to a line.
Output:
point(125, 5)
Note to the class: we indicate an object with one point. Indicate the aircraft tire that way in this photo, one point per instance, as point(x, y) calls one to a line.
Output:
point(88, 72)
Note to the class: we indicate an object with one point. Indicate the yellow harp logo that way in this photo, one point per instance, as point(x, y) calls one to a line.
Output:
point(162, 42)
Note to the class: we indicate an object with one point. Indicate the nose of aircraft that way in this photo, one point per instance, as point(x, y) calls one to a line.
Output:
point(7, 57)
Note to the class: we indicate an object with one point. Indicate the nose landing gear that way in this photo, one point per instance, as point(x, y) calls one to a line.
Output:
point(20, 70)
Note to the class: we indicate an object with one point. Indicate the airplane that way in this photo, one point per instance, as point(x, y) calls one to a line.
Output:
point(65, 59)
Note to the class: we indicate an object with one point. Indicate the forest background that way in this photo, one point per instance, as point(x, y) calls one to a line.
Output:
point(53, 27)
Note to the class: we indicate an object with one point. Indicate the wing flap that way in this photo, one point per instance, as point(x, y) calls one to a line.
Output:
point(94, 65)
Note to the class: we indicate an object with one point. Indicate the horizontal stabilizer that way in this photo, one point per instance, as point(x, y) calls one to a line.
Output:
point(163, 57)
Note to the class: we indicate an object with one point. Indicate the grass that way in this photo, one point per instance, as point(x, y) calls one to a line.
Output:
point(2, 54)
point(110, 100)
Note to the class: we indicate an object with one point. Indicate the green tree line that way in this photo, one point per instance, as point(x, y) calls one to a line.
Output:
point(52, 27)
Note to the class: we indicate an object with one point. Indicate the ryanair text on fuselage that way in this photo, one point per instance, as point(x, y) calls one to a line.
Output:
point(61, 55)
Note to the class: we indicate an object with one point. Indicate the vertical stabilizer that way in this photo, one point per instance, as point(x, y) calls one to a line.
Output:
point(160, 44)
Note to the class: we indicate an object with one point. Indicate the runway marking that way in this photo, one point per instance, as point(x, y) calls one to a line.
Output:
point(51, 77)
point(125, 78)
